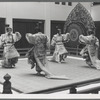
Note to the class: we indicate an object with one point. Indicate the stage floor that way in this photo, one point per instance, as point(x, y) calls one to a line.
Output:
point(24, 79)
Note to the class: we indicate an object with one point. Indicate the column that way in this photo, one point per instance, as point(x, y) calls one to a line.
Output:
point(47, 19)
point(9, 14)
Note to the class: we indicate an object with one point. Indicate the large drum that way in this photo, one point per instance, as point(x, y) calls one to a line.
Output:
point(75, 30)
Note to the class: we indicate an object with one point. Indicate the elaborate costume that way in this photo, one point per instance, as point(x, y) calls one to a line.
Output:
point(60, 52)
point(31, 59)
point(10, 53)
point(40, 45)
point(90, 51)
point(38, 53)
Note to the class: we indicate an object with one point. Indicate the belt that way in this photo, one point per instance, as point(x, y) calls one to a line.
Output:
point(9, 42)
point(59, 43)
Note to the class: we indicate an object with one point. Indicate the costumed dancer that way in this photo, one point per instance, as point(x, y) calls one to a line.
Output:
point(90, 51)
point(60, 52)
point(10, 53)
point(40, 45)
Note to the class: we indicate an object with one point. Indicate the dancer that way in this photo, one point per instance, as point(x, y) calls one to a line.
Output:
point(60, 52)
point(90, 51)
point(41, 44)
point(10, 53)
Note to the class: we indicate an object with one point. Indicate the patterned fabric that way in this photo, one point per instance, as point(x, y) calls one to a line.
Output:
point(92, 45)
point(7, 41)
point(31, 58)
point(57, 41)
point(41, 44)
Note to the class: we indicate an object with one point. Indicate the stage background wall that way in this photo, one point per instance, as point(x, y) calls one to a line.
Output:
point(37, 10)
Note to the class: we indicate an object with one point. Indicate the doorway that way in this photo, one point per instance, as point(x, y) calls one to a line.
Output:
point(26, 26)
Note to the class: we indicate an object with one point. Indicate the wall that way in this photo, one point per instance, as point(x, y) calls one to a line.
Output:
point(95, 13)
point(37, 10)
point(61, 12)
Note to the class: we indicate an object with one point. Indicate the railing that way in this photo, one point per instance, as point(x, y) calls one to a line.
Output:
point(7, 89)
point(71, 51)
point(94, 90)
point(74, 51)
point(73, 88)
point(23, 51)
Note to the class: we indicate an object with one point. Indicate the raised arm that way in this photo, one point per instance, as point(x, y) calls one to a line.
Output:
point(67, 37)
point(17, 36)
point(1, 42)
point(47, 43)
point(97, 42)
point(30, 38)
point(53, 41)
point(83, 39)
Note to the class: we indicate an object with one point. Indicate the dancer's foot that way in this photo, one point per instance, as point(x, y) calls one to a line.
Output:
point(38, 73)
point(90, 64)
point(59, 62)
point(47, 76)
point(13, 65)
point(33, 65)
point(7, 66)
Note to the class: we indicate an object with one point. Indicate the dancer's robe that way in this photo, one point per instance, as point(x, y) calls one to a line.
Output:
point(7, 41)
point(57, 42)
point(92, 45)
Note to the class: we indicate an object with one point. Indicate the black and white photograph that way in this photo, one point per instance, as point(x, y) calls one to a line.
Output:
point(50, 48)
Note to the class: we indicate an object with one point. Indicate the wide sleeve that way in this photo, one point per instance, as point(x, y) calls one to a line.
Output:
point(97, 42)
point(2, 37)
point(53, 41)
point(66, 37)
point(1, 43)
point(30, 38)
point(84, 39)
point(47, 43)
point(17, 36)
